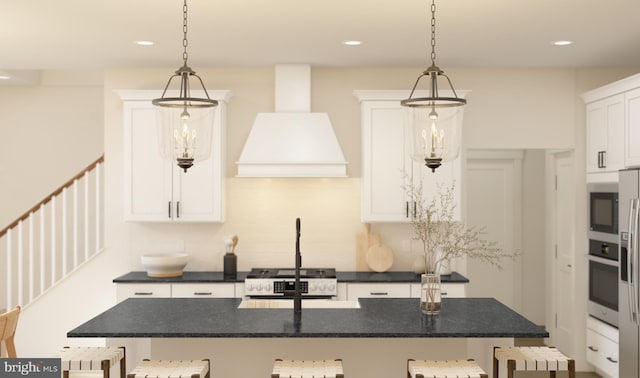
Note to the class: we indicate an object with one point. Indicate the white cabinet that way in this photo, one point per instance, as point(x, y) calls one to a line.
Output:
point(602, 347)
point(386, 165)
point(632, 128)
point(156, 189)
point(378, 290)
point(605, 134)
point(203, 290)
point(141, 290)
point(613, 129)
point(177, 290)
point(448, 290)
point(399, 290)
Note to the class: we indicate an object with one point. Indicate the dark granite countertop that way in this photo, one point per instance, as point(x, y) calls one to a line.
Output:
point(354, 277)
point(378, 318)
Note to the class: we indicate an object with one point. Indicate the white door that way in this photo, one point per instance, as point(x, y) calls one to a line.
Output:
point(494, 187)
point(563, 266)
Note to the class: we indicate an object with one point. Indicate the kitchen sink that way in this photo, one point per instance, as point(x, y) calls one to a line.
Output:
point(308, 303)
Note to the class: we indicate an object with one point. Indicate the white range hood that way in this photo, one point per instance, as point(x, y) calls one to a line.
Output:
point(292, 142)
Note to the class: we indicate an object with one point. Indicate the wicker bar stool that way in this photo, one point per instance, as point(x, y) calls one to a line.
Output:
point(172, 369)
point(92, 358)
point(508, 360)
point(307, 369)
point(444, 369)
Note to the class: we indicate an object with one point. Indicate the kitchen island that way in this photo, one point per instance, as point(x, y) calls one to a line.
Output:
point(374, 340)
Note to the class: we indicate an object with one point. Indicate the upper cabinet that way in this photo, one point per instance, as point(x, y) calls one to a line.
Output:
point(632, 131)
point(386, 165)
point(156, 189)
point(613, 129)
point(605, 134)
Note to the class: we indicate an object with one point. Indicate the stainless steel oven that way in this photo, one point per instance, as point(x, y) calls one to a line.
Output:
point(603, 281)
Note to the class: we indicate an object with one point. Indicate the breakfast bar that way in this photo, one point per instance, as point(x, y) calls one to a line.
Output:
point(374, 340)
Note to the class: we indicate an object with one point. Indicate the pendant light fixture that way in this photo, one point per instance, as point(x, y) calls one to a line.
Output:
point(436, 121)
point(186, 121)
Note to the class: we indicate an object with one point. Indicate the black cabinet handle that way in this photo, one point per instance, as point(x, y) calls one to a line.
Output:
point(612, 360)
point(178, 209)
point(406, 209)
point(203, 293)
point(143, 293)
point(379, 293)
point(169, 208)
point(592, 349)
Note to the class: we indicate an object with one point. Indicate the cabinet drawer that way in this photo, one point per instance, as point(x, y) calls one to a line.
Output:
point(449, 290)
point(355, 291)
point(602, 353)
point(225, 290)
point(125, 291)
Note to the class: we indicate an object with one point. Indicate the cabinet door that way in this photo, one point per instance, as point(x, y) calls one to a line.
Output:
point(203, 290)
point(384, 162)
point(124, 291)
point(378, 290)
point(632, 128)
point(147, 176)
point(605, 135)
point(449, 290)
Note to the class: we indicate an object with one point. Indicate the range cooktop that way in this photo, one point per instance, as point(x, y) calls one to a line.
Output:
point(290, 273)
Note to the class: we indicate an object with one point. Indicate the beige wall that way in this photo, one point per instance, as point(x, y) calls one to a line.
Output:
point(48, 133)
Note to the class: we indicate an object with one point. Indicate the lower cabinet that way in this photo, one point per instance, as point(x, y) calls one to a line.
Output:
point(179, 290)
point(399, 290)
point(124, 291)
point(203, 290)
point(602, 347)
point(378, 290)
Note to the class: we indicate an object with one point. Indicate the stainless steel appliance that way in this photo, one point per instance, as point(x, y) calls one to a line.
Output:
point(603, 211)
point(628, 322)
point(279, 283)
point(603, 281)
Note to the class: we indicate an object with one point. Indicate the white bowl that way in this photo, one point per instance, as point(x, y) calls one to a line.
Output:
point(164, 264)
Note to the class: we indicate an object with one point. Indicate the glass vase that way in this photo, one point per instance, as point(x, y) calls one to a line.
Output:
point(430, 297)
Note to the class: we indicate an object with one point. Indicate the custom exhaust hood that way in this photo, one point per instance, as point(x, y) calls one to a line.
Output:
point(292, 141)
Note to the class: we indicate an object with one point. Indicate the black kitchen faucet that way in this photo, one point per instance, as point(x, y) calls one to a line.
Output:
point(297, 295)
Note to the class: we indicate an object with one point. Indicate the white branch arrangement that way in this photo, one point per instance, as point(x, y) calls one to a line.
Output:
point(442, 237)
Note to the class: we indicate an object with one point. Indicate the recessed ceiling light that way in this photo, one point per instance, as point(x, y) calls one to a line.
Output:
point(145, 43)
point(352, 43)
point(562, 43)
point(5, 77)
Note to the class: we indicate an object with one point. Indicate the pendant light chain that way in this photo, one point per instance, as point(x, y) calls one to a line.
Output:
point(185, 42)
point(433, 32)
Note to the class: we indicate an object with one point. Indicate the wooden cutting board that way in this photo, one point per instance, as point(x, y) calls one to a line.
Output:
point(363, 242)
point(379, 258)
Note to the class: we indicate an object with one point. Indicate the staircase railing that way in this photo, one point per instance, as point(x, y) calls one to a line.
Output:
point(53, 238)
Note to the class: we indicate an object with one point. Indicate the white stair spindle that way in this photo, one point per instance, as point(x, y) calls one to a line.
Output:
point(86, 216)
point(53, 241)
point(98, 213)
point(74, 215)
point(43, 260)
point(9, 269)
point(31, 259)
point(20, 269)
point(65, 250)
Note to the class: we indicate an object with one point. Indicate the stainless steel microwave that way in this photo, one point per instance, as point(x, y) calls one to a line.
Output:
point(603, 209)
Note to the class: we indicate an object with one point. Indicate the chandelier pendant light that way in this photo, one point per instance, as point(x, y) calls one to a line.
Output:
point(186, 122)
point(436, 122)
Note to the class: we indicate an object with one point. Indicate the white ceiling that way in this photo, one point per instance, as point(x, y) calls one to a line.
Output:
point(97, 34)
